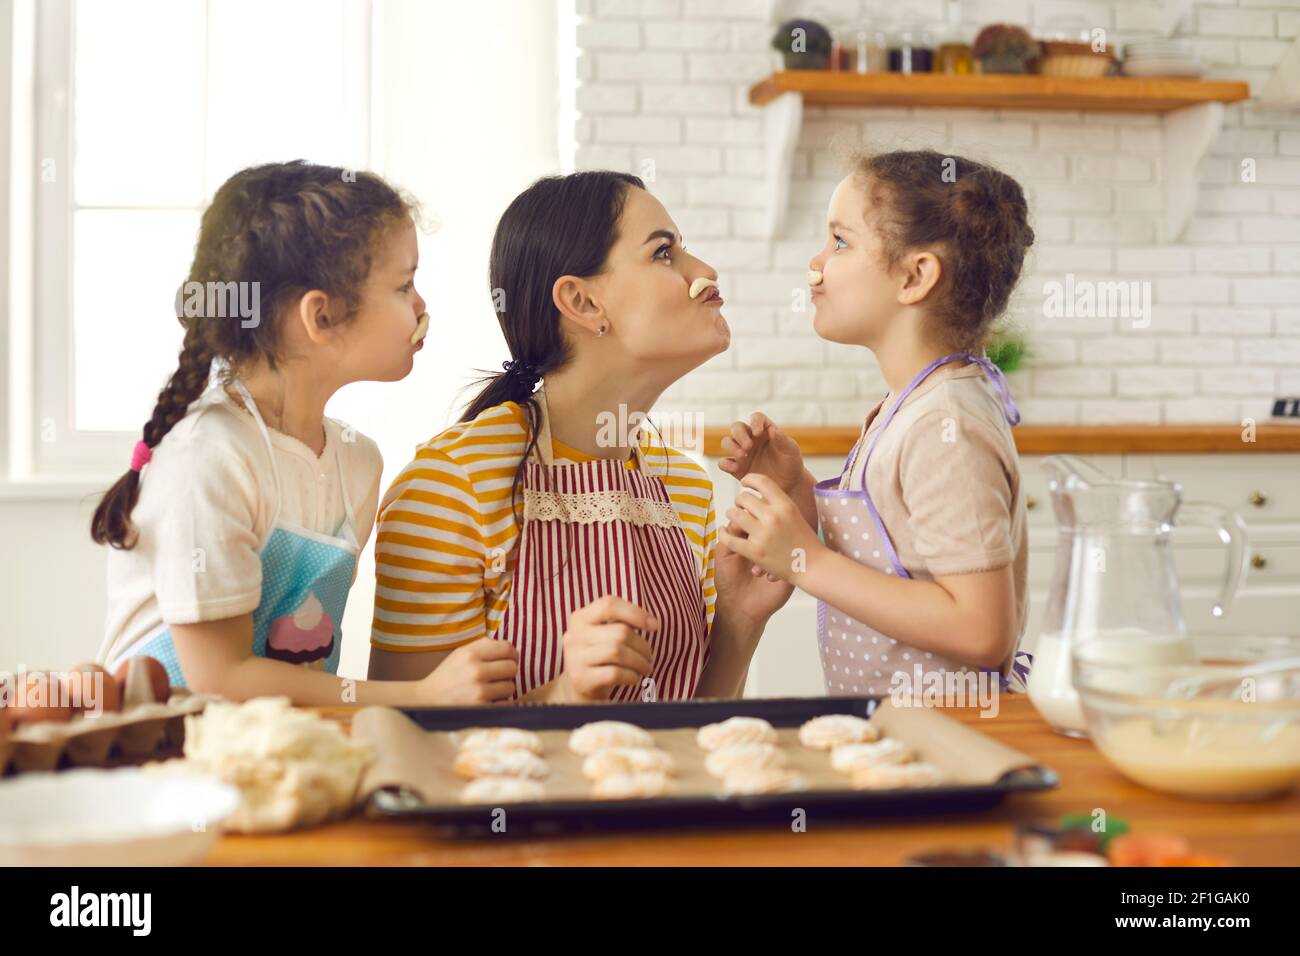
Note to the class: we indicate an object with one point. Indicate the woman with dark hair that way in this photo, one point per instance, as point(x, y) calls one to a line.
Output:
point(592, 556)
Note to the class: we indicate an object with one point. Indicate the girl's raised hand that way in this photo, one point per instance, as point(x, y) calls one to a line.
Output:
point(758, 447)
point(767, 529)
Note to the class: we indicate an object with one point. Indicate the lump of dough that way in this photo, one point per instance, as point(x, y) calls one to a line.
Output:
point(832, 730)
point(292, 768)
point(735, 731)
point(603, 734)
point(626, 760)
point(723, 761)
point(500, 738)
point(700, 284)
point(421, 327)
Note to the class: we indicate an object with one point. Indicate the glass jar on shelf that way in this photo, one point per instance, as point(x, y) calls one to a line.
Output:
point(911, 51)
point(952, 55)
point(871, 51)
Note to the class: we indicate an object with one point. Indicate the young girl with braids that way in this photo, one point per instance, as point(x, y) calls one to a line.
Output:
point(922, 559)
point(236, 531)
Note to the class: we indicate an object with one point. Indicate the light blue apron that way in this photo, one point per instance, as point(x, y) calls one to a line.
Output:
point(306, 577)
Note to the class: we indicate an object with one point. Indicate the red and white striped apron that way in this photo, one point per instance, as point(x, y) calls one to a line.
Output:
point(597, 528)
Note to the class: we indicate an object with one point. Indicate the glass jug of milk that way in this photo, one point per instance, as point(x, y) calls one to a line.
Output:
point(1114, 577)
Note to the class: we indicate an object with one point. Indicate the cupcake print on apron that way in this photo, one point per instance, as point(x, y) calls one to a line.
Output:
point(856, 658)
point(306, 576)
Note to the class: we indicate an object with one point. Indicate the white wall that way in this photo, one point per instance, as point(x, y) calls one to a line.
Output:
point(666, 81)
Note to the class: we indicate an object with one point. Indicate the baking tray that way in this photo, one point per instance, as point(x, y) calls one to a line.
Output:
point(573, 815)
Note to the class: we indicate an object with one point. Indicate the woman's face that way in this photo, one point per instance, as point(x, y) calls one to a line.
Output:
point(645, 292)
point(857, 296)
point(377, 343)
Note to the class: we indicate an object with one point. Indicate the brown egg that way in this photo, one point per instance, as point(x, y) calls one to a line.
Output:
point(39, 697)
point(143, 680)
point(86, 696)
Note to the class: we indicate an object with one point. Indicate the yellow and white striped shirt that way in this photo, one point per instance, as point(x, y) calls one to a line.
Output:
point(445, 550)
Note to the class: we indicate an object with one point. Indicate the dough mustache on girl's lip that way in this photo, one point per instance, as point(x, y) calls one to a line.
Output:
point(700, 284)
point(421, 329)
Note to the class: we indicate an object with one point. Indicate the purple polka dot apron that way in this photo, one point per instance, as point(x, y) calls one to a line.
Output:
point(856, 658)
point(306, 576)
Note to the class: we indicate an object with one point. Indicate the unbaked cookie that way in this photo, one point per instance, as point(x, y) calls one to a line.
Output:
point(735, 731)
point(501, 790)
point(604, 763)
point(747, 780)
point(627, 786)
point(472, 764)
point(832, 730)
point(851, 757)
point(603, 734)
point(888, 776)
point(748, 756)
point(500, 738)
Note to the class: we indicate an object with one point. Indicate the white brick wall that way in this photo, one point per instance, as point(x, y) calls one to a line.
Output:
point(663, 91)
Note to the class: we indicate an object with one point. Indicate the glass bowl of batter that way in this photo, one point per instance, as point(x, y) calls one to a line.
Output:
point(1222, 725)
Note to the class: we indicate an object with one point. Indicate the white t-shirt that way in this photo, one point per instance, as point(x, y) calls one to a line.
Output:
point(206, 506)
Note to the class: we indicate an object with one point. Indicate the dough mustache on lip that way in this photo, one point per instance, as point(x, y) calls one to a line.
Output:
point(421, 328)
point(700, 284)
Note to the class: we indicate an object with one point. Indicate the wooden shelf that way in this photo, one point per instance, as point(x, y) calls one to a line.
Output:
point(1191, 113)
point(836, 440)
point(1114, 94)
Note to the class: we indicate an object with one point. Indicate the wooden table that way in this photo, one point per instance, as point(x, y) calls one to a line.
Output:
point(1259, 834)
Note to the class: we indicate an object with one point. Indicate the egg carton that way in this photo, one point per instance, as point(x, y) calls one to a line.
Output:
point(136, 733)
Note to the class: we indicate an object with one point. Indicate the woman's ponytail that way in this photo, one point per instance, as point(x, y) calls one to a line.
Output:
point(515, 383)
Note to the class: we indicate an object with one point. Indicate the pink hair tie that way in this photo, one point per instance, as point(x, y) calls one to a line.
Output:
point(140, 455)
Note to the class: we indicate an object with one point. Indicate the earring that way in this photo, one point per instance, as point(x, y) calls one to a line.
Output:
point(601, 332)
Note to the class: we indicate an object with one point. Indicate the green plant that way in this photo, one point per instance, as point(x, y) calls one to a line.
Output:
point(1007, 350)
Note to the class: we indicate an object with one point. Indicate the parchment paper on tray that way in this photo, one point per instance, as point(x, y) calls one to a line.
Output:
point(419, 761)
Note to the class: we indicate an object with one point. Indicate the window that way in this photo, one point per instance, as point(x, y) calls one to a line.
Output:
point(142, 108)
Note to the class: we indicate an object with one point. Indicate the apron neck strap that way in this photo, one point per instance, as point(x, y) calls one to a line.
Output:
point(1000, 385)
point(266, 437)
point(275, 470)
point(1008, 407)
point(543, 450)
point(349, 520)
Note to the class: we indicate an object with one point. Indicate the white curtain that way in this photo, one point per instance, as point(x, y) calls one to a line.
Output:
point(470, 107)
